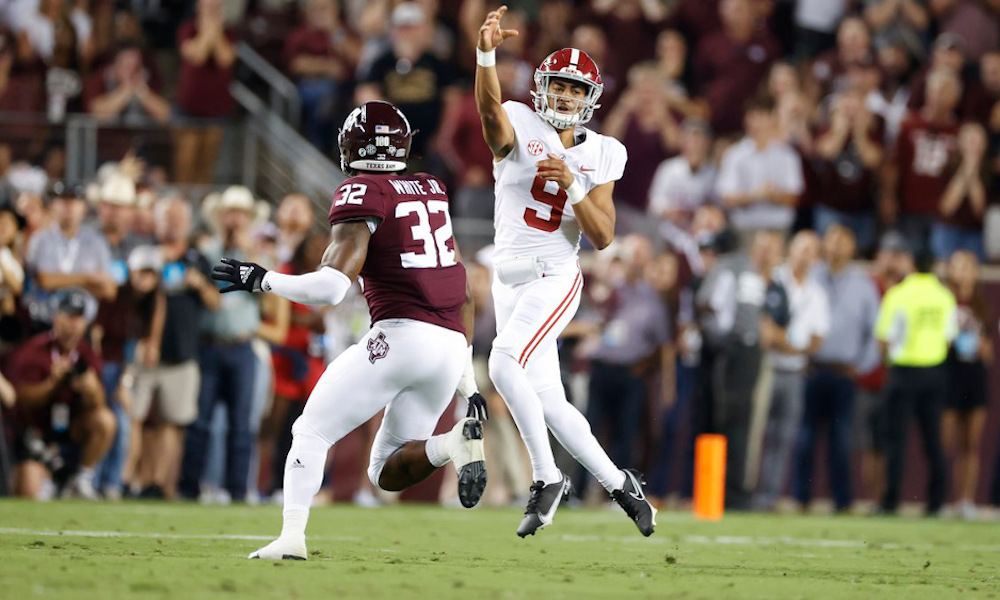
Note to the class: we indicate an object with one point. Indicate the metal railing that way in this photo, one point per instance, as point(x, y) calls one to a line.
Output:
point(277, 160)
point(283, 96)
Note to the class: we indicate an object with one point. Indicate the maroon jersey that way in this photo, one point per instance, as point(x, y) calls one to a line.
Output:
point(411, 271)
point(923, 153)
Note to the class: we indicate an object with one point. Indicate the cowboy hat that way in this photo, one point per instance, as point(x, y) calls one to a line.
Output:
point(234, 197)
point(116, 188)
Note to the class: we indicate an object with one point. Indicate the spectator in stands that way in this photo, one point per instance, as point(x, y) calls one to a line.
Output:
point(760, 179)
point(986, 107)
point(899, 21)
point(672, 61)
point(321, 55)
point(891, 264)
point(948, 54)
point(11, 269)
point(918, 381)
point(632, 23)
point(121, 91)
point(734, 292)
point(892, 96)
point(790, 349)
point(848, 157)
point(847, 350)
point(113, 330)
point(917, 175)
point(59, 400)
point(968, 362)
point(228, 364)
point(730, 63)
point(412, 78)
point(295, 219)
point(974, 22)
point(208, 54)
point(684, 183)
point(963, 205)
point(175, 378)
point(829, 72)
point(815, 23)
point(630, 341)
point(68, 254)
point(643, 122)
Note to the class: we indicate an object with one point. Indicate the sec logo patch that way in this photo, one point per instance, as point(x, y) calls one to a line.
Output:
point(535, 148)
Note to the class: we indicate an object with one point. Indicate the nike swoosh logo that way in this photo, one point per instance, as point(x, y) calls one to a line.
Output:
point(586, 169)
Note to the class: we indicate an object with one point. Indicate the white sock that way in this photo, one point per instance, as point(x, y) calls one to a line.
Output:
point(572, 430)
point(303, 477)
point(436, 448)
point(526, 408)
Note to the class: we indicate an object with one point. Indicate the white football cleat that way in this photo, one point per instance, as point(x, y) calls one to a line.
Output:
point(465, 448)
point(283, 548)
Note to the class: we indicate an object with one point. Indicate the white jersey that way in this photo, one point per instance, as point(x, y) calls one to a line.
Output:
point(533, 216)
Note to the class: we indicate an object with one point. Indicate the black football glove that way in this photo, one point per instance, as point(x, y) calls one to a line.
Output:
point(244, 276)
point(477, 407)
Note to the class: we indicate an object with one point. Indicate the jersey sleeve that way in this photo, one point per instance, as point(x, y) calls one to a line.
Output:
point(516, 112)
point(357, 199)
point(613, 159)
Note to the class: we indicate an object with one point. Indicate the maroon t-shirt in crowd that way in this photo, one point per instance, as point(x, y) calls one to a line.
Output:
point(411, 271)
point(728, 75)
point(646, 151)
point(964, 216)
point(845, 183)
point(203, 90)
point(310, 41)
point(31, 363)
point(923, 153)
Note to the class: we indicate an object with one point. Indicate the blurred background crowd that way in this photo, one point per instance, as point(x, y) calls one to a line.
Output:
point(823, 148)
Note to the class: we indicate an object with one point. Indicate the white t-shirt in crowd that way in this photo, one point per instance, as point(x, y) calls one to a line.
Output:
point(810, 316)
point(676, 187)
point(746, 169)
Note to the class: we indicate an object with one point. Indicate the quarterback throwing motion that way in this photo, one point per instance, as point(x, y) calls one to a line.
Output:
point(394, 231)
point(554, 179)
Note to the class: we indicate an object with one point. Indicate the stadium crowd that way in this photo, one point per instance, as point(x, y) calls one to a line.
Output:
point(771, 145)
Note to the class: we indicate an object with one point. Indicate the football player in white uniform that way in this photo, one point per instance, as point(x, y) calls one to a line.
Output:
point(554, 179)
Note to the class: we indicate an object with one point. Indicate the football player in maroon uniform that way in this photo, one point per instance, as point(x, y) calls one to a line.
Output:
point(394, 231)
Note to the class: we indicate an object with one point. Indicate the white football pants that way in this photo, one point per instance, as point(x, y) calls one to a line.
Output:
point(408, 367)
point(524, 368)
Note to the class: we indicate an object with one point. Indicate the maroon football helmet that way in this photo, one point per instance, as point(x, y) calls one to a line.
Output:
point(375, 137)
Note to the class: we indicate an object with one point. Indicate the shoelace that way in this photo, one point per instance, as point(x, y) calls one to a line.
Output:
point(536, 496)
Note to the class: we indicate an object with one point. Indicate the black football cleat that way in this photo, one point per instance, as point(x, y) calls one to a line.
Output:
point(542, 505)
point(467, 452)
point(633, 501)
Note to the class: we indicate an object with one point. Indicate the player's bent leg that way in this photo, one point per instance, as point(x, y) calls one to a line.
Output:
point(414, 461)
point(573, 431)
point(344, 397)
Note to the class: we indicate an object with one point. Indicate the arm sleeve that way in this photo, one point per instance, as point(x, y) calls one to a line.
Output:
point(326, 286)
point(358, 199)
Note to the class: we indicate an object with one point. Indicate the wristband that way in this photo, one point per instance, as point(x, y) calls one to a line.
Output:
point(575, 192)
point(486, 59)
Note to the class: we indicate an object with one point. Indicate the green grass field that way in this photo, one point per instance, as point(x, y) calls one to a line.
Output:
point(137, 550)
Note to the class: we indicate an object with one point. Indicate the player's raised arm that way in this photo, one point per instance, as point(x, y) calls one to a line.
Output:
point(497, 130)
point(342, 263)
